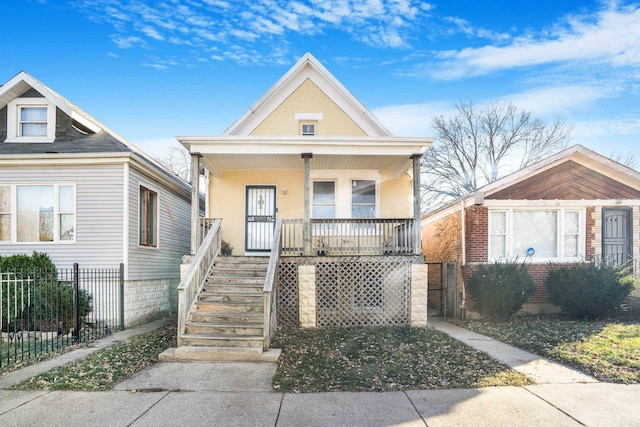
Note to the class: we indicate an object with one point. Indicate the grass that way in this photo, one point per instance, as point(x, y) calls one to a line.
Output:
point(382, 359)
point(106, 367)
point(610, 351)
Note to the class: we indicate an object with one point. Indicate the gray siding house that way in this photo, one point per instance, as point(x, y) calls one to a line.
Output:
point(71, 188)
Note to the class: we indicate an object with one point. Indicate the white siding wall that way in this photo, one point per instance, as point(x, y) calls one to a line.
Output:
point(174, 232)
point(99, 214)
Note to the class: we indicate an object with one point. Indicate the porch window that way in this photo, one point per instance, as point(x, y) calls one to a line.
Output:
point(543, 234)
point(363, 198)
point(324, 199)
point(148, 217)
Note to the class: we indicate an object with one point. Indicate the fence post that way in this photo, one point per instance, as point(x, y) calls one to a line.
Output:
point(121, 296)
point(76, 304)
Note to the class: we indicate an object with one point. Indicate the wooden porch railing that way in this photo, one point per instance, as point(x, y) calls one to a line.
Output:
point(194, 278)
point(270, 287)
point(204, 225)
point(375, 236)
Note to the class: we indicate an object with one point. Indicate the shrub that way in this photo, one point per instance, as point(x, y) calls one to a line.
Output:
point(500, 289)
point(43, 302)
point(589, 290)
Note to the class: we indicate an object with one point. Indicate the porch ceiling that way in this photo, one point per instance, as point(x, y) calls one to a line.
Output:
point(241, 153)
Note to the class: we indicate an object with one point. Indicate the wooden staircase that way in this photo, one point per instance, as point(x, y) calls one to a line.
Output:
point(227, 320)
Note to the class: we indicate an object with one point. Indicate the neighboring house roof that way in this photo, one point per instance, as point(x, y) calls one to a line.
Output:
point(249, 143)
point(84, 135)
point(572, 163)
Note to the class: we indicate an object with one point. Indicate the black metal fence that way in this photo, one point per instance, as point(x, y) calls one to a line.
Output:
point(46, 311)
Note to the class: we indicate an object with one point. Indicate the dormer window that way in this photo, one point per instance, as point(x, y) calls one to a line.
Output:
point(308, 129)
point(31, 120)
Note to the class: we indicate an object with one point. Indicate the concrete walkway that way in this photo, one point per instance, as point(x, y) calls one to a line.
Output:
point(538, 368)
point(240, 394)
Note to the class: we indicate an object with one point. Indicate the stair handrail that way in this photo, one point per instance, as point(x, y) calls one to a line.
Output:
point(195, 276)
point(270, 287)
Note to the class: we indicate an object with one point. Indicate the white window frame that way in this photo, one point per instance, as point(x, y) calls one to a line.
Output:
point(335, 197)
point(13, 120)
point(308, 133)
point(56, 213)
point(157, 221)
point(560, 231)
point(376, 186)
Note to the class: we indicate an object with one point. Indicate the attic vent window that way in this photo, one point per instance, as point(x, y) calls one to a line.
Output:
point(31, 120)
point(308, 129)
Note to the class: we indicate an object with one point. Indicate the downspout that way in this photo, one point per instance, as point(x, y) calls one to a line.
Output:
point(463, 304)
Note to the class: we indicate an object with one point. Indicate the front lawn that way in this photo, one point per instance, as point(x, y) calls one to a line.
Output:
point(108, 366)
point(382, 359)
point(610, 351)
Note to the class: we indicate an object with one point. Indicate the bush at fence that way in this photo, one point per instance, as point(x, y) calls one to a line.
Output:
point(589, 290)
point(34, 299)
point(501, 288)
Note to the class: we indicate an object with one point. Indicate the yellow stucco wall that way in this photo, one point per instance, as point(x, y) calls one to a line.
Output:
point(308, 98)
point(227, 196)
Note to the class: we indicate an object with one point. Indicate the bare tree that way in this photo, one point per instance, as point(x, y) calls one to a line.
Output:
point(478, 146)
point(629, 159)
point(177, 160)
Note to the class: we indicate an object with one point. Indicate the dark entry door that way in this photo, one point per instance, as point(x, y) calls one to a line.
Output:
point(260, 217)
point(616, 235)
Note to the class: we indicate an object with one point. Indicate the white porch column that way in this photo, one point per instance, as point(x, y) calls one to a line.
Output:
point(417, 233)
point(306, 230)
point(195, 201)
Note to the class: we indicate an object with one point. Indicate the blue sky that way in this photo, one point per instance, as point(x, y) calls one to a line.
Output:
point(151, 70)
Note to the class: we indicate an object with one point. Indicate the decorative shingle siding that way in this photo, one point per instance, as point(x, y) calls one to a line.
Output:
point(308, 98)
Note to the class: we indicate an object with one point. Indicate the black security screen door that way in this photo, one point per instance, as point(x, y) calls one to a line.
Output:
point(260, 217)
point(616, 235)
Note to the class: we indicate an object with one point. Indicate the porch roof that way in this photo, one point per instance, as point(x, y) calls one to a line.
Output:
point(220, 153)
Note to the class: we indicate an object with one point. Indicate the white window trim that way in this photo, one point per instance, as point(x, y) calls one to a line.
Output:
point(315, 129)
point(335, 197)
point(157, 191)
point(56, 214)
point(13, 134)
point(560, 231)
point(377, 187)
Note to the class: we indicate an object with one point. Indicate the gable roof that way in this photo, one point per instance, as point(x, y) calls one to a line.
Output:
point(98, 138)
point(307, 67)
point(575, 162)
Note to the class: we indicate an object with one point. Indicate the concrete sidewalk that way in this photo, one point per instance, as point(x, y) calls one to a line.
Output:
point(240, 394)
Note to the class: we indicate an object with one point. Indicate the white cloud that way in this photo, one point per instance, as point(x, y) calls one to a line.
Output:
point(379, 23)
point(610, 36)
point(411, 119)
point(152, 33)
point(127, 42)
point(554, 100)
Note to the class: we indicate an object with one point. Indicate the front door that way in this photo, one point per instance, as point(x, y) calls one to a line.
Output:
point(617, 246)
point(260, 217)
